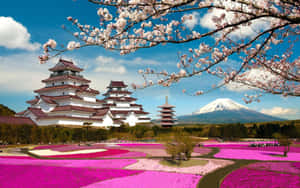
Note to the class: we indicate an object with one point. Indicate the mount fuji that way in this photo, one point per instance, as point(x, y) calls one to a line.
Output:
point(225, 110)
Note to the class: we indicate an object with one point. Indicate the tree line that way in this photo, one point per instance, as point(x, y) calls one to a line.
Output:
point(29, 134)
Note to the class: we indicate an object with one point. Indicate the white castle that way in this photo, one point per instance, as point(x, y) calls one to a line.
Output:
point(67, 99)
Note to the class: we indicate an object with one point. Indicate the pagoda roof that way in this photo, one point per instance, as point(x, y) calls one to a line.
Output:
point(11, 120)
point(168, 110)
point(119, 84)
point(168, 119)
point(65, 77)
point(117, 92)
point(166, 106)
point(121, 99)
point(73, 108)
point(65, 65)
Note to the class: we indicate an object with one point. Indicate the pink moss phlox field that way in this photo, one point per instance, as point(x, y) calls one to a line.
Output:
point(109, 152)
point(143, 145)
point(250, 178)
point(106, 163)
point(151, 179)
point(52, 176)
point(284, 167)
point(129, 154)
point(256, 155)
point(296, 165)
point(266, 148)
point(17, 157)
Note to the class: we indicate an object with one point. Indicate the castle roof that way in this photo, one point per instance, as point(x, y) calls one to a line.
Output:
point(65, 65)
point(115, 112)
point(119, 84)
point(82, 88)
point(121, 99)
point(65, 77)
point(70, 117)
point(74, 108)
point(117, 92)
point(11, 120)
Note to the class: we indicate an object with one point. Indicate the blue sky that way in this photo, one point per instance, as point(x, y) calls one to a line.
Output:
point(20, 72)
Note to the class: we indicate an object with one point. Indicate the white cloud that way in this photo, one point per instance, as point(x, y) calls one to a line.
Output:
point(111, 69)
point(244, 31)
point(279, 111)
point(109, 65)
point(193, 21)
point(22, 73)
point(13, 35)
point(261, 75)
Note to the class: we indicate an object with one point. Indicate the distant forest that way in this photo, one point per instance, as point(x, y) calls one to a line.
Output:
point(28, 134)
point(5, 111)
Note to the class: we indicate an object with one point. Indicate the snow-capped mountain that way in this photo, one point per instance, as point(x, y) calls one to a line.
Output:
point(225, 111)
point(220, 105)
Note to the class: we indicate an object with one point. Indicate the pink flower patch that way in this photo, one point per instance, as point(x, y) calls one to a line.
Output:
point(250, 178)
point(52, 176)
point(151, 179)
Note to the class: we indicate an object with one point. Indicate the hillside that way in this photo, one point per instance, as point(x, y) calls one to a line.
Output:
point(5, 111)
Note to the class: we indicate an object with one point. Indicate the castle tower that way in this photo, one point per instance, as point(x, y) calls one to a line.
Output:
point(118, 99)
point(66, 99)
point(167, 114)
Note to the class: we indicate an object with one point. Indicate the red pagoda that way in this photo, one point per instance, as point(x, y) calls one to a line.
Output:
point(167, 114)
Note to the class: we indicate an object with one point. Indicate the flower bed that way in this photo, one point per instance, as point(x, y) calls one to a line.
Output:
point(150, 179)
point(284, 167)
point(53, 176)
point(105, 163)
point(256, 155)
point(83, 154)
point(247, 147)
point(152, 164)
point(143, 145)
point(130, 154)
point(250, 178)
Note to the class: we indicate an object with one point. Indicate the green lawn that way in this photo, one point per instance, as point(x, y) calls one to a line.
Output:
point(191, 162)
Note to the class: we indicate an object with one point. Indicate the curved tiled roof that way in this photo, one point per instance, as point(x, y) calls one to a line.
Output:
point(83, 88)
point(65, 77)
point(71, 117)
point(121, 99)
point(75, 108)
point(119, 84)
point(65, 65)
point(11, 120)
